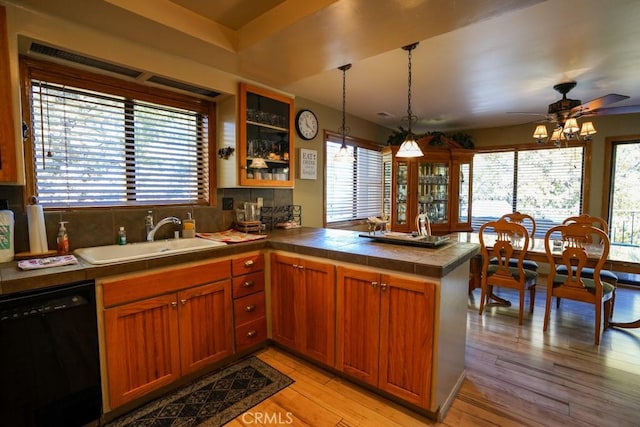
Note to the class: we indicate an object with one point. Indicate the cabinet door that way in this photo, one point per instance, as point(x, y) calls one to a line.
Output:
point(265, 138)
point(284, 275)
point(358, 317)
point(406, 338)
point(317, 311)
point(402, 212)
point(206, 331)
point(433, 192)
point(8, 171)
point(142, 347)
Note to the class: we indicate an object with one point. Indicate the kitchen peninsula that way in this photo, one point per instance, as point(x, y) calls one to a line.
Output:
point(419, 295)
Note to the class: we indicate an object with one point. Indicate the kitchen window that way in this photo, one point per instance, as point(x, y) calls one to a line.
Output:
point(546, 183)
point(98, 141)
point(353, 189)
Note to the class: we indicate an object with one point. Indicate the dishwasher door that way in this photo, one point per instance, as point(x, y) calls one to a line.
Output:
point(49, 363)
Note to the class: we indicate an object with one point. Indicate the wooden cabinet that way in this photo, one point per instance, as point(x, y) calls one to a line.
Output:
point(437, 184)
point(266, 138)
point(303, 306)
point(8, 170)
point(161, 325)
point(385, 327)
point(249, 303)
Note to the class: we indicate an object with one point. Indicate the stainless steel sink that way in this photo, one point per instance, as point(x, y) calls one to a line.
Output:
point(135, 251)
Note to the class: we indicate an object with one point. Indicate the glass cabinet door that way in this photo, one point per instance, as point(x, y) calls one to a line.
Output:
point(464, 192)
point(386, 185)
point(401, 201)
point(266, 146)
point(433, 191)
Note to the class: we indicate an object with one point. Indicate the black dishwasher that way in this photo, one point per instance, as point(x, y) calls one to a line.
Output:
point(49, 362)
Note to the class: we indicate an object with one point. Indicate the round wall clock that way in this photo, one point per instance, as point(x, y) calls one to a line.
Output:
point(306, 124)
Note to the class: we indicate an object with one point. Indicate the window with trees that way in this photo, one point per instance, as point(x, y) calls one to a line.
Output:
point(99, 141)
point(622, 196)
point(353, 189)
point(546, 183)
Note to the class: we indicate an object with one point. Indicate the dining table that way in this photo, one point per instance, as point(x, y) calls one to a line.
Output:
point(621, 258)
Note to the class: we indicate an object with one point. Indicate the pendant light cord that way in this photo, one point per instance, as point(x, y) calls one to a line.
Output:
point(344, 69)
point(410, 116)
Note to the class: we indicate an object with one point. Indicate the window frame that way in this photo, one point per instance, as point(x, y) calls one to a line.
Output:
point(36, 69)
point(330, 136)
point(586, 173)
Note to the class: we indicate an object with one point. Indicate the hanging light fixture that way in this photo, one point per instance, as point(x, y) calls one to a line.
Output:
point(409, 147)
point(567, 132)
point(344, 153)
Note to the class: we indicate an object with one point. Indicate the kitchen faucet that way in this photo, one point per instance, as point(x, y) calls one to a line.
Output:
point(152, 232)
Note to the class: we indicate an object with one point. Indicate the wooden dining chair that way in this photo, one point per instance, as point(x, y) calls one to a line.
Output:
point(605, 275)
point(504, 241)
point(530, 224)
point(577, 247)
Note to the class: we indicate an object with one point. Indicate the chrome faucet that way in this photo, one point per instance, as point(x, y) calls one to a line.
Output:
point(170, 219)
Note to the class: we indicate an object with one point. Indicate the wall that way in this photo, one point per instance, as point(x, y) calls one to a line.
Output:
point(310, 193)
point(607, 126)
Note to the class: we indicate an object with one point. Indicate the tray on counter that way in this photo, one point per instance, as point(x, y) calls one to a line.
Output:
point(407, 239)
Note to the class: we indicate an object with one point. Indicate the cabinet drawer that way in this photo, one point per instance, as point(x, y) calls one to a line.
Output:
point(247, 264)
point(249, 308)
point(251, 334)
point(248, 284)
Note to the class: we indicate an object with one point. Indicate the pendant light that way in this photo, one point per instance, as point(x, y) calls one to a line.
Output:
point(409, 147)
point(344, 154)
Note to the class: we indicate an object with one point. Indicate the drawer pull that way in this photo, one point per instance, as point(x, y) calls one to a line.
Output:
point(252, 334)
point(247, 284)
point(248, 264)
point(383, 286)
point(174, 304)
point(374, 285)
point(183, 301)
point(250, 308)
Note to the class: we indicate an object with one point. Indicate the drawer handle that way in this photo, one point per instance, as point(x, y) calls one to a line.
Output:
point(374, 285)
point(174, 304)
point(183, 301)
point(383, 286)
point(247, 284)
point(252, 334)
point(248, 264)
point(250, 308)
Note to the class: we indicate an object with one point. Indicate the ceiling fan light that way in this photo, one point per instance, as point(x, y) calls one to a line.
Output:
point(587, 130)
point(409, 148)
point(571, 126)
point(540, 133)
point(557, 134)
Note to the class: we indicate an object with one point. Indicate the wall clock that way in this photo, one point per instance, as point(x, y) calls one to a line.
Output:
point(306, 124)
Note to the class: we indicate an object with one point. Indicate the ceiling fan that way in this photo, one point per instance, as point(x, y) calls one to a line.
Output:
point(562, 110)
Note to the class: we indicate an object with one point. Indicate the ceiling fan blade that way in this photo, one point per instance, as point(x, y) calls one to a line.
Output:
point(627, 109)
point(595, 104)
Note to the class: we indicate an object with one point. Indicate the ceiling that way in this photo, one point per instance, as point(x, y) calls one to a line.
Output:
point(478, 61)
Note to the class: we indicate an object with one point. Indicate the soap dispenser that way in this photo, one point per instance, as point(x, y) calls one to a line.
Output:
point(188, 227)
point(63, 239)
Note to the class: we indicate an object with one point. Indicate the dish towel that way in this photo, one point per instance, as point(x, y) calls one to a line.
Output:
point(54, 261)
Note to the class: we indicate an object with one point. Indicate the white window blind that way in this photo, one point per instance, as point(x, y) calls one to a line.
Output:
point(353, 189)
point(101, 149)
point(545, 183)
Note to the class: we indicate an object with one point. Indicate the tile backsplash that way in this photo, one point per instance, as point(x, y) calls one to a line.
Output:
point(99, 226)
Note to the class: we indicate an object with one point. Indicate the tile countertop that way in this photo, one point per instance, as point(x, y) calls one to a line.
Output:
point(339, 245)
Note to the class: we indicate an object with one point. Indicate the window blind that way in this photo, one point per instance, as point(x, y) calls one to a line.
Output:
point(353, 189)
point(99, 149)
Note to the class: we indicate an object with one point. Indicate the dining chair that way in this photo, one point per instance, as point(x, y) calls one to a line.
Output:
point(606, 275)
point(577, 245)
point(504, 241)
point(530, 224)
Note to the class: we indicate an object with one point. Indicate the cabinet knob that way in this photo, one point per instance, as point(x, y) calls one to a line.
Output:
point(247, 284)
point(300, 267)
point(250, 308)
point(174, 304)
point(252, 334)
point(374, 284)
point(294, 265)
point(183, 301)
point(248, 264)
point(383, 286)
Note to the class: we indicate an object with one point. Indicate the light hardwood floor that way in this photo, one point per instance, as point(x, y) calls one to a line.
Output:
point(516, 376)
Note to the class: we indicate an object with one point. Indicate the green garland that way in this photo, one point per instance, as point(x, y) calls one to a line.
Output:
point(398, 136)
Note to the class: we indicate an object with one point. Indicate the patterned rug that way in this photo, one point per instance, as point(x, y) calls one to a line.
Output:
point(212, 400)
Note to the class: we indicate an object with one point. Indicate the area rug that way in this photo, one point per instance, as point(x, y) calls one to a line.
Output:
point(212, 400)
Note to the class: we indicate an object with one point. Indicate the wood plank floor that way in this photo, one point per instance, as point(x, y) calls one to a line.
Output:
point(516, 376)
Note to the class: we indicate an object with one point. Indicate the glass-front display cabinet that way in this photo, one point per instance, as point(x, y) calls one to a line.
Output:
point(265, 143)
point(437, 184)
